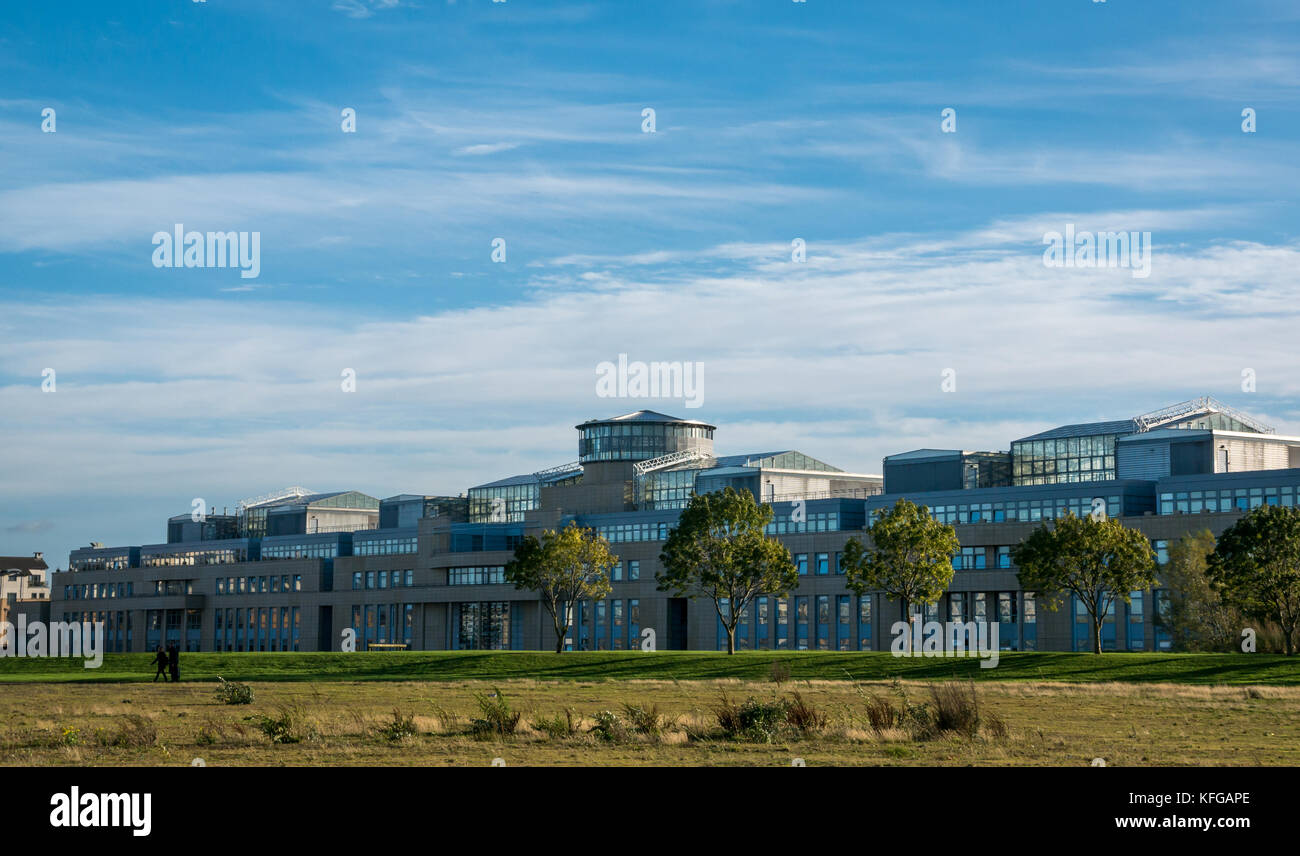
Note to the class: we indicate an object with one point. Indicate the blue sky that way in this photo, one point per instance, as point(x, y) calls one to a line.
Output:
point(523, 120)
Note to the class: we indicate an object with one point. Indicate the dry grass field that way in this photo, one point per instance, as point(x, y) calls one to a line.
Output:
point(430, 723)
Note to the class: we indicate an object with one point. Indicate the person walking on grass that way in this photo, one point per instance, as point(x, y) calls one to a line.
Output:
point(160, 657)
point(174, 659)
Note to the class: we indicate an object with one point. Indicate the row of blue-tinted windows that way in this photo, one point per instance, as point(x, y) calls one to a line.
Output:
point(485, 575)
point(977, 558)
point(1133, 637)
point(386, 623)
point(382, 579)
point(612, 624)
point(384, 546)
point(766, 624)
point(300, 551)
point(1015, 613)
point(117, 627)
point(266, 628)
point(1020, 510)
point(821, 563)
point(94, 591)
point(1235, 499)
point(786, 524)
point(619, 533)
point(259, 585)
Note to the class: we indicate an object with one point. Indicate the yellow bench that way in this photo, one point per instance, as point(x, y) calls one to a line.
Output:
point(387, 646)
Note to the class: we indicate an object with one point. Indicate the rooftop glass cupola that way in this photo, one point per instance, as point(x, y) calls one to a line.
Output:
point(641, 436)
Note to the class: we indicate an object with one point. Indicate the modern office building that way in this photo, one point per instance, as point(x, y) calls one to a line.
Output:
point(297, 570)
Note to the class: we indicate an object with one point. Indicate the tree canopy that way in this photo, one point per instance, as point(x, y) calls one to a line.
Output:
point(563, 567)
point(907, 555)
point(1256, 567)
point(1099, 561)
point(719, 549)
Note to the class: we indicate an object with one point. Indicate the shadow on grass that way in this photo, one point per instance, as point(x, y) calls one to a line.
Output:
point(1235, 669)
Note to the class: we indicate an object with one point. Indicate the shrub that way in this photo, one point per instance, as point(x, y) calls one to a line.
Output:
point(918, 721)
point(754, 720)
point(498, 720)
point(761, 721)
point(648, 721)
point(956, 708)
point(233, 692)
point(779, 673)
point(556, 727)
point(449, 722)
point(133, 732)
point(882, 714)
point(70, 736)
point(399, 727)
point(290, 726)
point(886, 715)
point(803, 717)
point(728, 715)
point(609, 727)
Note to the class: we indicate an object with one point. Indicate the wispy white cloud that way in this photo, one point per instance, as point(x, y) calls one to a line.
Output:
point(486, 148)
point(195, 396)
point(363, 8)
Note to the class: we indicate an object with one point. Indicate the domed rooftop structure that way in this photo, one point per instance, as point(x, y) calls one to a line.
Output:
point(641, 436)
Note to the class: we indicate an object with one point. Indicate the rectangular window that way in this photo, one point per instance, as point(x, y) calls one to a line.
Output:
point(823, 622)
point(618, 629)
point(1006, 607)
point(783, 622)
point(864, 623)
point(1136, 627)
point(602, 607)
point(801, 623)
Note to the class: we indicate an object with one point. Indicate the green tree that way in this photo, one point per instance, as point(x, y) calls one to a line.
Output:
point(1197, 617)
point(1098, 561)
point(1256, 567)
point(908, 556)
point(563, 568)
point(719, 550)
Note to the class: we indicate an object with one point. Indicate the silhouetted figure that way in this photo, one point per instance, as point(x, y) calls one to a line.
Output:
point(174, 658)
point(160, 657)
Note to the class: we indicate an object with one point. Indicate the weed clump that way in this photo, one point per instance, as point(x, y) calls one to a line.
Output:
point(398, 728)
point(556, 727)
point(497, 720)
point(233, 692)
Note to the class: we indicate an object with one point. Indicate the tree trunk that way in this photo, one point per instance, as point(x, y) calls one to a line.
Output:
point(731, 639)
point(561, 630)
point(1096, 634)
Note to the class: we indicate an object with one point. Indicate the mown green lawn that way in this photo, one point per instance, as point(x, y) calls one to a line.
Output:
point(1230, 669)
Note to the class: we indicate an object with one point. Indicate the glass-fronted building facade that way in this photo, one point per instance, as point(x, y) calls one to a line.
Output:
point(434, 580)
point(1064, 460)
